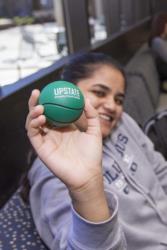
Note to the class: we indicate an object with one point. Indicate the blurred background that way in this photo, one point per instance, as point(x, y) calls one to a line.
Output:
point(34, 34)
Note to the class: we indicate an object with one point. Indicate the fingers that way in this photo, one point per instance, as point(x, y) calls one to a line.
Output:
point(93, 123)
point(35, 120)
point(34, 111)
point(82, 123)
point(33, 98)
point(34, 125)
point(33, 116)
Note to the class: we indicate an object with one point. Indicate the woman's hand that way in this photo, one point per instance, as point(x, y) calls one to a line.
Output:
point(73, 156)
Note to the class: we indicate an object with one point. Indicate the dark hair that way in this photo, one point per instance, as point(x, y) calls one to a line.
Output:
point(157, 25)
point(83, 65)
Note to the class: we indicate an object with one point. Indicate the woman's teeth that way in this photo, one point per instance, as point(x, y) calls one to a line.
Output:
point(105, 117)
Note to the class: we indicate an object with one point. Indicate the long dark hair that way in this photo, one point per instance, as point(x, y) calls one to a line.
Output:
point(158, 25)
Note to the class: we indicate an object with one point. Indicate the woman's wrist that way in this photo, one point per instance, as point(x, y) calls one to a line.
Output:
point(90, 201)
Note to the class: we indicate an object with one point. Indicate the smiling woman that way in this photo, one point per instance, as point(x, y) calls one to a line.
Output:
point(105, 90)
point(87, 186)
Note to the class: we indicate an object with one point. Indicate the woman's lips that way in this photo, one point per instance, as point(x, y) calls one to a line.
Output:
point(106, 117)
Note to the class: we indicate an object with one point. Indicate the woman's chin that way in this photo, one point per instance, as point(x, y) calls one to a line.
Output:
point(105, 131)
point(106, 128)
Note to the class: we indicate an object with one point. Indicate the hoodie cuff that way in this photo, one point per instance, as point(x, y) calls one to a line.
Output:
point(102, 235)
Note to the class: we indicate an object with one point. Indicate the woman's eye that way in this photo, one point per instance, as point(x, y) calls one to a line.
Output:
point(99, 93)
point(119, 101)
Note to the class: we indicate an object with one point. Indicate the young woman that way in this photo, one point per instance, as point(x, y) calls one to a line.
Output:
point(103, 186)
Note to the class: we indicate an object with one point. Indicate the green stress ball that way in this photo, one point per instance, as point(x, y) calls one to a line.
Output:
point(63, 103)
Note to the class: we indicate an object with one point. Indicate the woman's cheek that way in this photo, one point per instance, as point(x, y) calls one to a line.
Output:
point(120, 111)
point(93, 100)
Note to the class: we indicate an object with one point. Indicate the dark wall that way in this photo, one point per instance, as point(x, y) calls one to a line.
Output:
point(123, 46)
point(14, 144)
point(160, 5)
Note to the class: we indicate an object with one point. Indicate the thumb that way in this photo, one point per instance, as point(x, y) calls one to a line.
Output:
point(93, 123)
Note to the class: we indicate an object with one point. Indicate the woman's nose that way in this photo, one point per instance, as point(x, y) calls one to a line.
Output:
point(110, 104)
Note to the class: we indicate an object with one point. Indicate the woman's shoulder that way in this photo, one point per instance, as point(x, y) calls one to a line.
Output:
point(126, 128)
point(129, 126)
point(127, 120)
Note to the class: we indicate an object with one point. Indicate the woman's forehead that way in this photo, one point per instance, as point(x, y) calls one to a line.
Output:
point(107, 84)
point(108, 76)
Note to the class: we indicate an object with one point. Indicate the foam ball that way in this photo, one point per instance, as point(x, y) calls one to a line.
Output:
point(63, 103)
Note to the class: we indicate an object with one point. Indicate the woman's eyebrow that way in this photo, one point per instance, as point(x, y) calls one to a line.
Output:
point(104, 87)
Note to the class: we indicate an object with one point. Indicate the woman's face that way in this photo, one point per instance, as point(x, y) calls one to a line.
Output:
point(105, 90)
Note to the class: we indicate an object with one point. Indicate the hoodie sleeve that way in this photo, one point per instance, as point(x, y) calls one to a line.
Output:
point(156, 159)
point(59, 225)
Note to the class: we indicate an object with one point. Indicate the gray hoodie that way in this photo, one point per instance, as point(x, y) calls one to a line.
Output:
point(135, 180)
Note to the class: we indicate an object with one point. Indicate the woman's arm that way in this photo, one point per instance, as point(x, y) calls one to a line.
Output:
point(156, 159)
point(74, 157)
point(62, 149)
point(57, 222)
point(158, 163)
